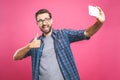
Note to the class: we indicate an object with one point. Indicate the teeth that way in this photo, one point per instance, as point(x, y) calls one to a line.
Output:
point(45, 28)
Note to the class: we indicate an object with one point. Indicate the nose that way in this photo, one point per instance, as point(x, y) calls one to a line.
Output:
point(44, 23)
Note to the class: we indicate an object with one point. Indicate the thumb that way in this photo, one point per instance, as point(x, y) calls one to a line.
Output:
point(36, 37)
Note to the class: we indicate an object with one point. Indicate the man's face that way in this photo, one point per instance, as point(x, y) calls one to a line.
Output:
point(44, 22)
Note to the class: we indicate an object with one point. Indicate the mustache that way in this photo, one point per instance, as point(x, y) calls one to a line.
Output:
point(44, 25)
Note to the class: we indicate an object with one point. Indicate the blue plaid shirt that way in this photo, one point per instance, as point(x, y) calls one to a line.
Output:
point(62, 40)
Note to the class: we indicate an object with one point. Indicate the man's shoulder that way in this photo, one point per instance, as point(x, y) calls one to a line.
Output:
point(57, 31)
point(61, 30)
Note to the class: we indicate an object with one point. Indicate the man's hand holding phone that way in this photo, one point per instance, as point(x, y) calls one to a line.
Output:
point(96, 12)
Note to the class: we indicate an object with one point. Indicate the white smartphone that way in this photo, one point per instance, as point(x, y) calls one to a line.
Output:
point(93, 11)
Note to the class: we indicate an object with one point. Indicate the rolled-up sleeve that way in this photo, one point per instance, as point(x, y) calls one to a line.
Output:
point(75, 35)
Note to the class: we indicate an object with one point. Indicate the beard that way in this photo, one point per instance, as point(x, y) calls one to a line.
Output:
point(46, 29)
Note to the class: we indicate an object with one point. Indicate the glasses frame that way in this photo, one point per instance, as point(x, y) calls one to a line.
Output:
point(46, 20)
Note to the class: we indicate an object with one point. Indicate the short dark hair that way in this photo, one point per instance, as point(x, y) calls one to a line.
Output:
point(41, 11)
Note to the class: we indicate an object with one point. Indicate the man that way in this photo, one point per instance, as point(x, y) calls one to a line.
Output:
point(51, 55)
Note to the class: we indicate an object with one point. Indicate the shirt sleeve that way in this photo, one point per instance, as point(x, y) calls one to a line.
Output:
point(75, 35)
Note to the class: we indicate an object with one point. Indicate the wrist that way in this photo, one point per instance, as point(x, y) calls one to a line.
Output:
point(28, 46)
point(100, 21)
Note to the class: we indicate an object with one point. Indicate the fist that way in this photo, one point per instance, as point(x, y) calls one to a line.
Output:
point(35, 43)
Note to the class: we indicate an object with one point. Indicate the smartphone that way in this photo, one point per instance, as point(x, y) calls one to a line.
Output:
point(93, 11)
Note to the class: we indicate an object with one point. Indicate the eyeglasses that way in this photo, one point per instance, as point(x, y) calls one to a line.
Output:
point(46, 20)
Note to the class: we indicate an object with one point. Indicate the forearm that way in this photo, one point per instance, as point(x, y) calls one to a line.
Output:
point(20, 53)
point(93, 29)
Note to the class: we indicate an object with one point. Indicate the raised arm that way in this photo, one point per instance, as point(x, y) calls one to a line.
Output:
point(96, 26)
point(20, 53)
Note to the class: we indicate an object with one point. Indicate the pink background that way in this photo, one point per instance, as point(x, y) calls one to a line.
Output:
point(96, 59)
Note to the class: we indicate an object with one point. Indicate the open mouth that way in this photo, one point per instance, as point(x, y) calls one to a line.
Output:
point(45, 28)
